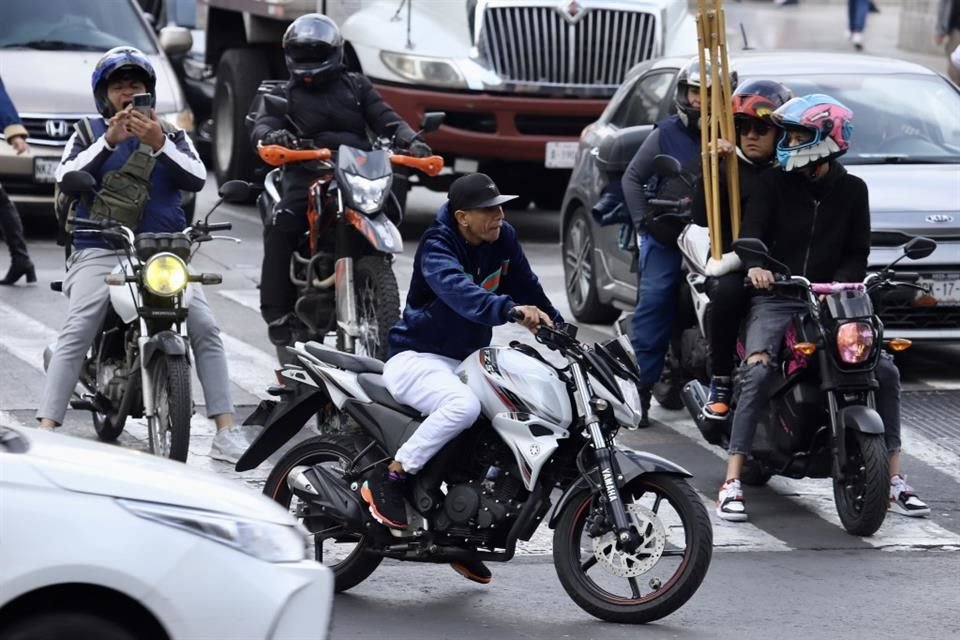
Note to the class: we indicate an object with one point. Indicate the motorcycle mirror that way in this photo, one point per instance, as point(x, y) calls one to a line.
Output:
point(431, 121)
point(664, 165)
point(919, 247)
point(750, 247)
point(77, 183)
point(235, 191)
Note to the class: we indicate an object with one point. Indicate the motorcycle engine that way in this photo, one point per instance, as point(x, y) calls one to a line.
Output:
point(483, 504)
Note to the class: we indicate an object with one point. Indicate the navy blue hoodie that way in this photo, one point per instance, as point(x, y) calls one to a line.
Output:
point(459, 292)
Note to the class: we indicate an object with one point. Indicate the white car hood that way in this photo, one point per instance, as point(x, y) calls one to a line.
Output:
point(85, 466)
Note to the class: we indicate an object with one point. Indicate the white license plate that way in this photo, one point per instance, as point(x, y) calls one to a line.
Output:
point(45, 169)
point(946, 288)
point(560, 155)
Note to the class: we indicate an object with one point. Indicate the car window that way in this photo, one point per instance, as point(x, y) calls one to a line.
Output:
point(642, 104)
point(72, 25)
point(896, 117)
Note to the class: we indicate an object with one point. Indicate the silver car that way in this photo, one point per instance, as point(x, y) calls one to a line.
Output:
point(906, 146)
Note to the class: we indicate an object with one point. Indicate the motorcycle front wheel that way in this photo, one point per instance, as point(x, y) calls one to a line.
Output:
point(340, 550)
point(378, 307)
point(169, 427)
point(657, 578)
point(862, 494)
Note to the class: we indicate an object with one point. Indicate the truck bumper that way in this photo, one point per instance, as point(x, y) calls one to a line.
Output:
point(489, 126)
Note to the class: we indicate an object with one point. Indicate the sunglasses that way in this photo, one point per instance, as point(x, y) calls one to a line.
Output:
point(745, 126)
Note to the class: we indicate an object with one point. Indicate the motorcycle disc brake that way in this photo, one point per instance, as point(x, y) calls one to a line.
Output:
point(630, 565)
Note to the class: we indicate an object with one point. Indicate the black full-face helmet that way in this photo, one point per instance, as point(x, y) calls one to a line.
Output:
point(313, 48)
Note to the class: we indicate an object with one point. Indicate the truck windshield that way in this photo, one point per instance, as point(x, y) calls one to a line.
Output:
point(72, 25)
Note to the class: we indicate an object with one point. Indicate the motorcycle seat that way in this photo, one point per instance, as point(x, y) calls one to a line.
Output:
point(372, 384)
point(348, 361)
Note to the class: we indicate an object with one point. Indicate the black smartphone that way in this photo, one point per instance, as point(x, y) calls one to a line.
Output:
point(143, 102)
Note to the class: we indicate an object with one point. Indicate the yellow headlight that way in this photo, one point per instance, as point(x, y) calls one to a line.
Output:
point(165, 275)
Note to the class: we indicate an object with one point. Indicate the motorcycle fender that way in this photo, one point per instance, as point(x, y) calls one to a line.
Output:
point(284, 420)
point(123, 299)
point(382, 234)
point(167, 342)
point(632, 464)
point(860, 418)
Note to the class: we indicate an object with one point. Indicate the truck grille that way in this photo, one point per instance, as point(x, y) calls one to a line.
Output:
point(547, 46)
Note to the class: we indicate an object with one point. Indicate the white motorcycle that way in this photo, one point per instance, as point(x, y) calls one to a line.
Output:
point(632, 541)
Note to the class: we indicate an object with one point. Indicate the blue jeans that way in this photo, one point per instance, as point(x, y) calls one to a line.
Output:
point(659, 279)
point(857, 15)
point(766, 324)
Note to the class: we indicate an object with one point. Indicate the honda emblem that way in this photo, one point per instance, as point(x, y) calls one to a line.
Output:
point(57, 128)
point(939, 219)
point(571, 10)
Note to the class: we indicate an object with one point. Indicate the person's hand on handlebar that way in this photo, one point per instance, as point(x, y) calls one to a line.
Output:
point(760, 278)
point(533, 317)
point(280, 137)
point(420, 149)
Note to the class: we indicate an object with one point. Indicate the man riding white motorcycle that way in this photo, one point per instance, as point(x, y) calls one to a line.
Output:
point(469, 273)
point(124, 132)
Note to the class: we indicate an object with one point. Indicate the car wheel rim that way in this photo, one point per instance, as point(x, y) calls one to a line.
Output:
point(576, 262)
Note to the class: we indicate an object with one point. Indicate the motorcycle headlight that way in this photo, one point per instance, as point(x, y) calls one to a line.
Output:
point(367, 194)
point(165, 275)
point(855, 341)
point(423, 70)
point(268, 541)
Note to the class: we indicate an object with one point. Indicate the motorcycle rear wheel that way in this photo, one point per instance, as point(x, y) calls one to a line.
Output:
point(356, 565)
point(589, 585)
point(169, 428)
point(378, 307)
point(862, 498)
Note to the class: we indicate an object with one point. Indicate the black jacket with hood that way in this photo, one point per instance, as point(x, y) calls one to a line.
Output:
point(749, 173)
point(818, 228)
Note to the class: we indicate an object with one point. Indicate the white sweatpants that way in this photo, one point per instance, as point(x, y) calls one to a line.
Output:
point(427, 382)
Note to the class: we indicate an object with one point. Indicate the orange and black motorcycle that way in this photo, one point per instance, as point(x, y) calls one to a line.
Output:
point(347, 286)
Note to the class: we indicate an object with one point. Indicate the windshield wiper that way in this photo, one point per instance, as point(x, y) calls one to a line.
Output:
point(52, 45)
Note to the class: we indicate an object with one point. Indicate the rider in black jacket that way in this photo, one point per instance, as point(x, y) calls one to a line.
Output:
point(326, 106)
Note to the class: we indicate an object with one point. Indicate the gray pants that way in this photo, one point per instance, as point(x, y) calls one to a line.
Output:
point(766, 324)
point(89, 300)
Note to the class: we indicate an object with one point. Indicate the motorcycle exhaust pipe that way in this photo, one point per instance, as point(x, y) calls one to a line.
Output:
point(323, 490)
point(694, 399)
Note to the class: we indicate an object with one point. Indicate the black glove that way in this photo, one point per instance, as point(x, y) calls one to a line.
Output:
point(420, 149)
point(281, 137)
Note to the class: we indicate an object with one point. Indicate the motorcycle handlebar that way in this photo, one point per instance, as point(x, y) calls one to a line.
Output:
point(656, 202)
point(276, 155)
point(213, 226)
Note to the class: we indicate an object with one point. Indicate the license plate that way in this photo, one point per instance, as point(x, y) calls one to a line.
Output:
point(945, 288)
point(45, 169)
point(560, 155)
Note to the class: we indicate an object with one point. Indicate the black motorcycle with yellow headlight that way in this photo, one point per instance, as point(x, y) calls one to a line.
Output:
point(139, 364)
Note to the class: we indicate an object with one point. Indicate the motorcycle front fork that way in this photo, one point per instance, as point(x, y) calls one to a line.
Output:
point(347, 316)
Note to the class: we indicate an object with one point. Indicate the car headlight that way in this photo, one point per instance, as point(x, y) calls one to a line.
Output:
point(367, 194)
point(855, 341)
point(182, 119)
point(422, 70)
point(165, 275)
point(268, 541)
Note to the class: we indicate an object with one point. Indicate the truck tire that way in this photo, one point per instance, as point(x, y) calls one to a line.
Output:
point(238, 75)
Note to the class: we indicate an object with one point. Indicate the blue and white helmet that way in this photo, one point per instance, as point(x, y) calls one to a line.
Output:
point(120, 59)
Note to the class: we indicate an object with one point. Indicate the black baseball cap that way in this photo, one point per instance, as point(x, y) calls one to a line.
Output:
point(475, 191)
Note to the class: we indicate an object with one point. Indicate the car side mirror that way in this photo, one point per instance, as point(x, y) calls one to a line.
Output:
point(175, 40)
point(750, 247)
point(236, 191)
point(664, 165)
point(77, 183)
point(431, 121)
point(919, 247)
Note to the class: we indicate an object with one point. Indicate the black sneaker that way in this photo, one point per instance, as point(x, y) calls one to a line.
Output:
point(718, 400)
point(473, 570)
point(386, 498)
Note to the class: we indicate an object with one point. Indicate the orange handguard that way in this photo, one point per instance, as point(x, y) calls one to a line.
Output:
point(431, 165)
point(276, 155)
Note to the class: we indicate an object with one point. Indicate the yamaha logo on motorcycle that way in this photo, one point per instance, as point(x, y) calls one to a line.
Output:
point(632, 541)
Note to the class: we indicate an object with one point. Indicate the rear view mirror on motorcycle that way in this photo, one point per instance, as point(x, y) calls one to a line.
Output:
point(919, 247)
point(431, 121)
point(236, 191)
point(665, 165)
point(77, 183)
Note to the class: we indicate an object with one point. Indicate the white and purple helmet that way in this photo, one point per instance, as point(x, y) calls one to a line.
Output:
point(830, 122)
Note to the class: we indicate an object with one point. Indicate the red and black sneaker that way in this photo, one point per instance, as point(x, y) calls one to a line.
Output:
point(473, 570)
point(385, 493)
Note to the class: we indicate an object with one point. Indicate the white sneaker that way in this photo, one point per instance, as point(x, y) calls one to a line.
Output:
point(904, 501)
point(230, 443)
point(857, 40)
point(730, 504)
